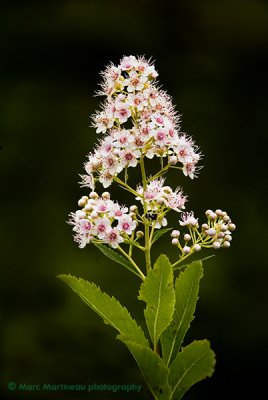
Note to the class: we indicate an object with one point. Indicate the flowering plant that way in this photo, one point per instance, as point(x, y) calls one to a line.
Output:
point(139, 123)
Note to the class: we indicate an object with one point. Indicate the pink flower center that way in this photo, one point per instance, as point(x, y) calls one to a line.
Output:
point(159, 120)
point(101, 228)
point(123, 140)
point(86, 225)
point(125, 226)
point(135, 82)
point(110, 161)
point(160, 136)
point(123, 112)
point(139, 142)
point(112, 236)
point(128, 156)
point(145, 131)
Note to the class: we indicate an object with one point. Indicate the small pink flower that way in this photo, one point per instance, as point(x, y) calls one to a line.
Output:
point(105, 178)
point(117, 211)
point(129, 157)
point(85, 226)
point(188, 219)
point(113, 238)
point(122, 113)
point(126, 224)
point(128, 63)
point(102, 225)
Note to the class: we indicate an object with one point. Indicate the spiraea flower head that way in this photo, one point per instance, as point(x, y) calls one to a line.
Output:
point(101, 220)
point(136, 123)
point(139, 120)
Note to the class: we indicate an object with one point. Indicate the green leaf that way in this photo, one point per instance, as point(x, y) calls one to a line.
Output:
point(108, 308)
point(186, 290)
point(194, 363)
point(152, 367)
point(158, 293)
point(160, 232)
point(113, 255)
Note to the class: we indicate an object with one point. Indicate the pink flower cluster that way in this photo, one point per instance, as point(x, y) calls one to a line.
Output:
point(160, 199)
point(138, 120)
point(101, 220)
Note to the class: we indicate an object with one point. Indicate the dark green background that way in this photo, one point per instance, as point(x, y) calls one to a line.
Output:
point(212, 58)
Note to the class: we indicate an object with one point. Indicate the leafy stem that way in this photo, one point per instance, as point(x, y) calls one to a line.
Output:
point(146, 222)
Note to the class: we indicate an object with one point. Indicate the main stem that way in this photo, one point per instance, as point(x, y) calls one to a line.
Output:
point(146, 222)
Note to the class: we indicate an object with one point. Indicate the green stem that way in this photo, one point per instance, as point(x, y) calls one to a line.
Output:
point(181, 259)
point(146, 222)
point(132, 262)
point(160, 172)
point(126, 186)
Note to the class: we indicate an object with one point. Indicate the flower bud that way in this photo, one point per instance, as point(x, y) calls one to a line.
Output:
point(213, 216)
point(216, 245)
point(223, 227)
point(211, 232)
point(173, 160)
point(175, 242)
point(82, 202)
point(133, 215)
point(94, 214)
point(80, 214)
point(219, 212)
point(139, 234)
point(196, 247)
point(133, 208)
point(228, 238)
point(226, 245)
point(187, 237)
point(186, 249)
point(175, 234)
point(231, 227)
point(94, 195)
point(88, 208)
point(226, 218)
point(205, 226)
point(220, 235)
point(106, 196)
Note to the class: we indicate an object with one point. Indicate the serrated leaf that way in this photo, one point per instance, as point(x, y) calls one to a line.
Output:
point(186, 291)
point(113, 255)
point(194, 363)
point(152, 367)
point(160, 232)
point(108, 308)
point(158, 293)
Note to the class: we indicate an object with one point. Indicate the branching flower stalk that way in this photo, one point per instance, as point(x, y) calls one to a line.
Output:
point(138, 122)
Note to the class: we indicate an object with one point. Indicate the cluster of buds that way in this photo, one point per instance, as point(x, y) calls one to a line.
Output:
point(138, 120)
point(101, 220)
point(215, 233)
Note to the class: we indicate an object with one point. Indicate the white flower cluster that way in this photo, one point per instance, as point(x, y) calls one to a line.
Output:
point(138, 120)
point(101, 220)
point(216, 233)
point(159, 200)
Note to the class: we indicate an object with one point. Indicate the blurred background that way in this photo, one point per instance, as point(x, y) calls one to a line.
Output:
point(211, 57)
